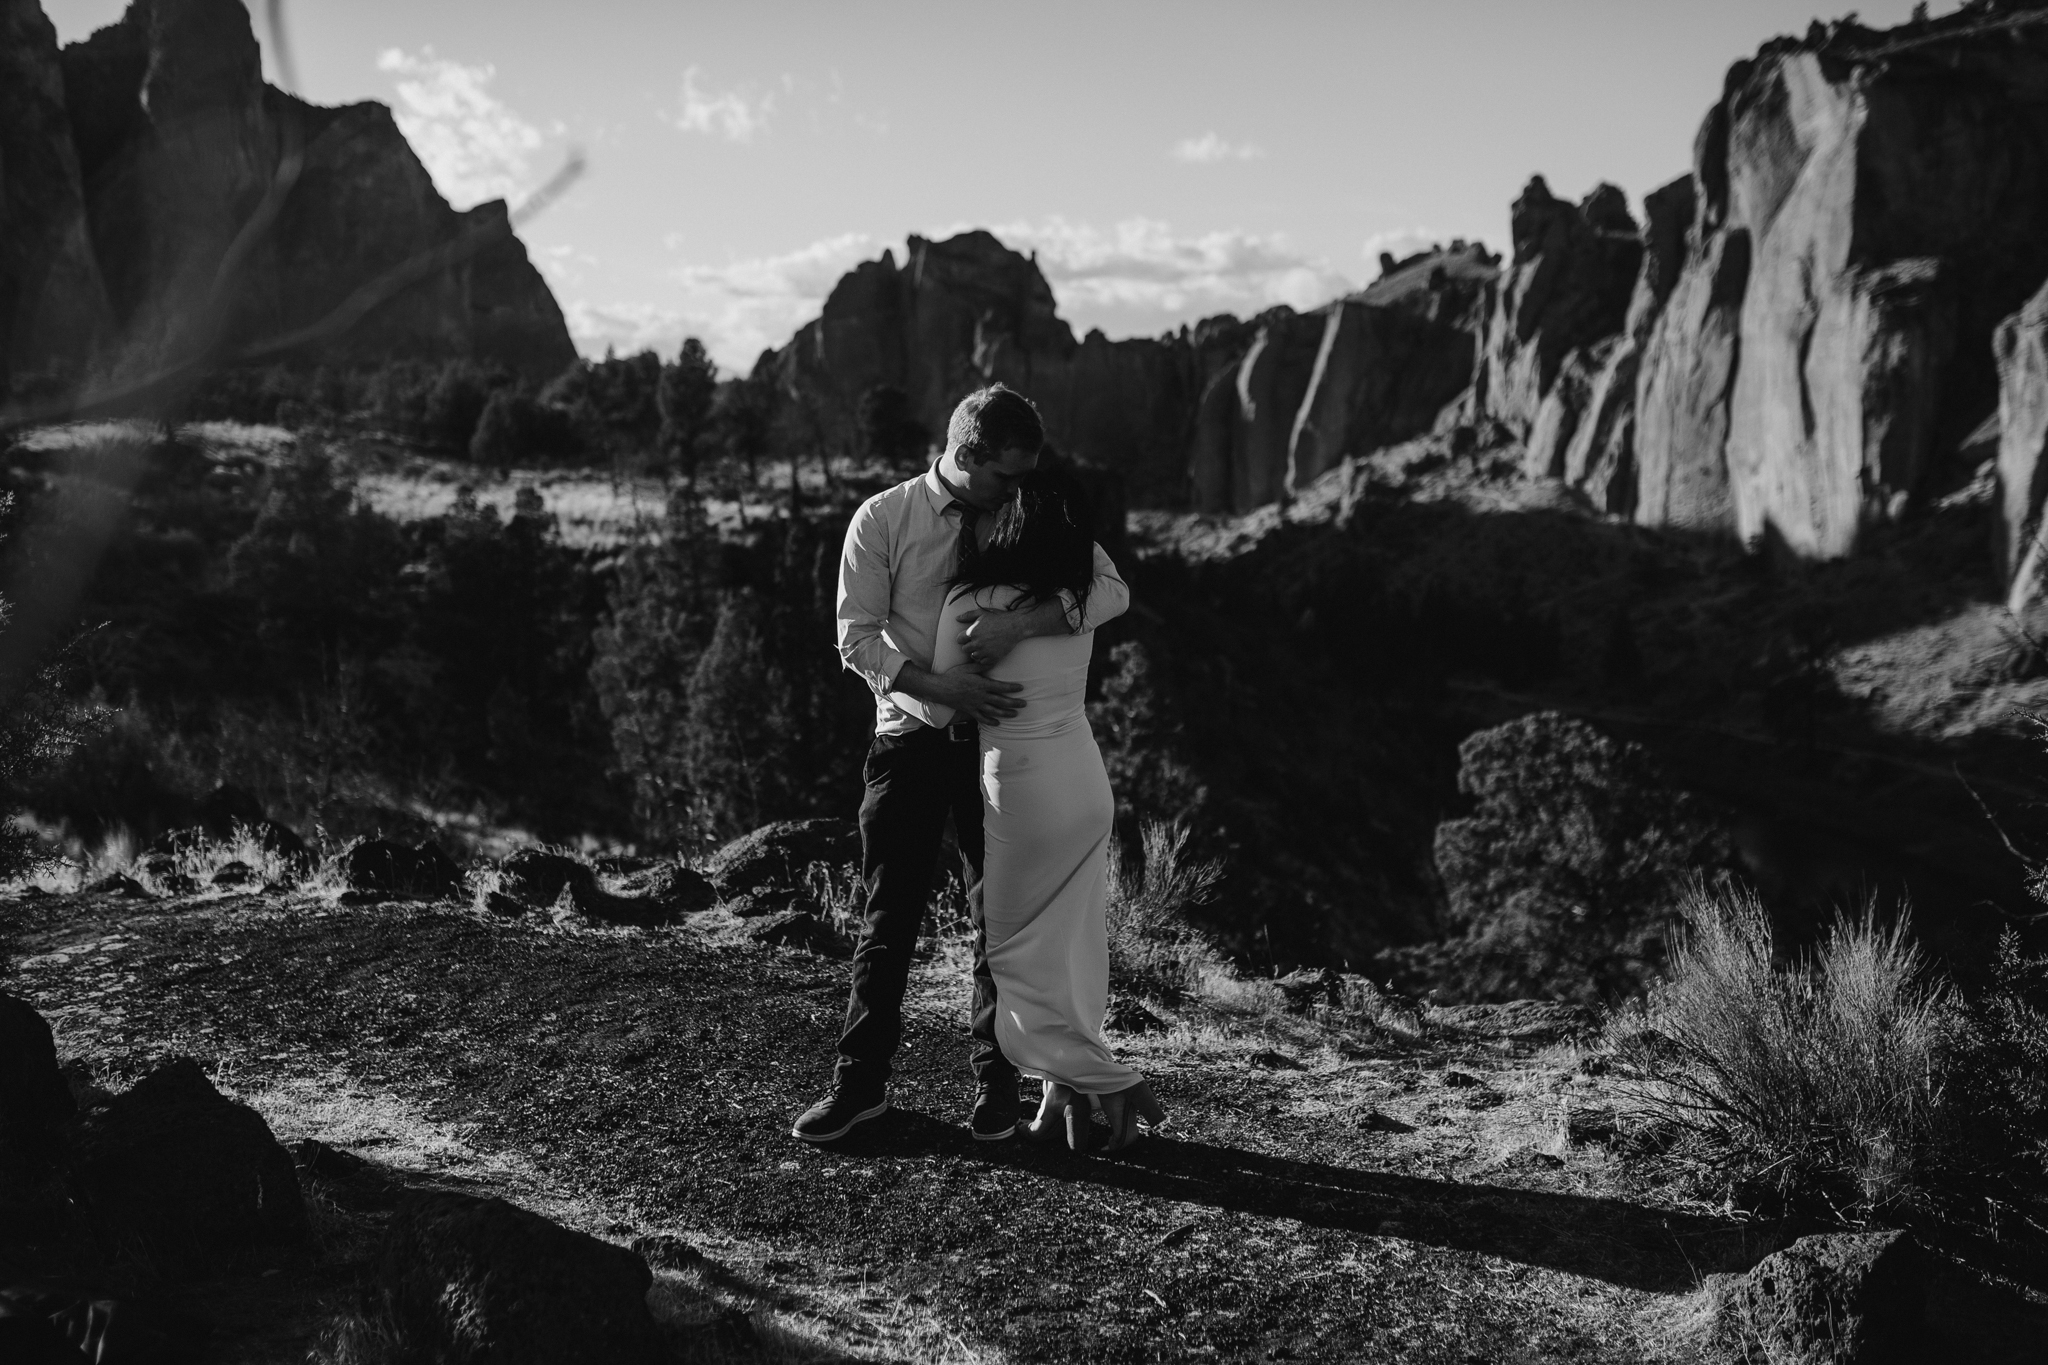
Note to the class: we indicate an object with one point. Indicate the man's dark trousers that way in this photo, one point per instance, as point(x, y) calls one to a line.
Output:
point(914, 780)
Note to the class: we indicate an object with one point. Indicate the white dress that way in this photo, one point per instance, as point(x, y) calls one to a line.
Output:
point(1046, 814)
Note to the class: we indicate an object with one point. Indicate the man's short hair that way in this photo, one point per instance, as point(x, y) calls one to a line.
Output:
point(995, 419)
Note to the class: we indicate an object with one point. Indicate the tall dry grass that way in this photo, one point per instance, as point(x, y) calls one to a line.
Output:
point(1155, 948)
point(1822, 1079)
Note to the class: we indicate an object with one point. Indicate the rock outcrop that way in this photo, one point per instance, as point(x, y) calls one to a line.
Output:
point(53, 307)
point(969, 311)
point(134, 159)
point(1226, 415)
point(1869, 208)
point(2021, 344)
point(1565, 292)
point(1364, 372)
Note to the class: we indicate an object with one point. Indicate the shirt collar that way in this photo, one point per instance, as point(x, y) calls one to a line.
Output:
point(941, 499)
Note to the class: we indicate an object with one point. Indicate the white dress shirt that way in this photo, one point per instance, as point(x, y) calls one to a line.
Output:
point(903, 545)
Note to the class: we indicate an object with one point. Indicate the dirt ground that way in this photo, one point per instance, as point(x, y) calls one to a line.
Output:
point(1321, 1193)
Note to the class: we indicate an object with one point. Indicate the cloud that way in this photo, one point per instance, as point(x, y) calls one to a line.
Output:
point(737, 310)
point(743, 307)
point(624, 327)
point(1210, 147)
point(473, 146)
point(1140, 278)
point(735, 115)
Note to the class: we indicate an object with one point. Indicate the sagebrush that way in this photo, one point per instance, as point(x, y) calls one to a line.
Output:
point(1819, 1082)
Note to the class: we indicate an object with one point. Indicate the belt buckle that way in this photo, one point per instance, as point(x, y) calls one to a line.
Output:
point(963, 731)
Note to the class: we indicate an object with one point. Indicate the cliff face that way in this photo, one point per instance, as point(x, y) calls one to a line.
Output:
point(1227, 415)
point(53, 307)
point(969, 311)
point(152, 142)
point(1795, 346)
point(1871, 205)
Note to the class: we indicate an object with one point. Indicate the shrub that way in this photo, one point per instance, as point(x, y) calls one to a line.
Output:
point(1818, 1083)
point(2001, 1075)
point(517, 429)
point(1564, 880)
point(1154, 947)
point(38, 726)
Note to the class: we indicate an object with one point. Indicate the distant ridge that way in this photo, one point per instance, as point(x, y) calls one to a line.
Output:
point(131, 159)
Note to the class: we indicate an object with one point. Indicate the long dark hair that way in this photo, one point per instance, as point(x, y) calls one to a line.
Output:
point(1043, 543)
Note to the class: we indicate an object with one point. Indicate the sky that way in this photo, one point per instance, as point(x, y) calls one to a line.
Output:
point(1166, 161)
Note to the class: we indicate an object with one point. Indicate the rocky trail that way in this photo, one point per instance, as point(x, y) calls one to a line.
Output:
point(1325, 1190)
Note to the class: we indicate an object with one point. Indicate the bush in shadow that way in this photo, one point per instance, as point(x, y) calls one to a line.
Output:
point(518, 429)
point(1564, 881)
point(1155, 948)
point(1853, 1081)
point(727, 705)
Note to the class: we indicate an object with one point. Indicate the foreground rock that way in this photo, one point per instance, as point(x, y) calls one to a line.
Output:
point(800, 929)
point(1868, 1298)
point(33, 1094)
point(378, 867)
point(195, 1184)
point(774, 858)
point(536, 880)
point(464, 1279)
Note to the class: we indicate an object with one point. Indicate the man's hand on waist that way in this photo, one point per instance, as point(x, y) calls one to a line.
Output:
point(989, 636)
point(986, 701)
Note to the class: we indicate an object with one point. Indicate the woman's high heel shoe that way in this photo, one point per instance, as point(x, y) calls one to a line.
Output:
point(1052, 1109)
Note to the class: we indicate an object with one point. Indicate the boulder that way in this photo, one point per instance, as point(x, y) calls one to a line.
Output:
point(680, 889)
point(178, 1175)
point(799, 929)
point(117, 884)
point(776, 856)
point(33, 1093)
point(464, 1279)
point(1851, 1298)
point(380, 868)
point(230, 876)
point(535, 879)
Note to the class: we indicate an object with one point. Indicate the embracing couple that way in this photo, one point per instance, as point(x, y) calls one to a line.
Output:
point(968, 601)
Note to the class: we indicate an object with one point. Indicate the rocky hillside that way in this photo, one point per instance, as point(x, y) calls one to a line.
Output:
point(132, 160)
point(1829, 324)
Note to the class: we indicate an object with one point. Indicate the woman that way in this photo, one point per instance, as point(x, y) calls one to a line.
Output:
point(1046, 813)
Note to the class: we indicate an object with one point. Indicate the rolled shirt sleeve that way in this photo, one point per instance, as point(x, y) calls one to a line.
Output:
point(1108, 598)
point(864, 602)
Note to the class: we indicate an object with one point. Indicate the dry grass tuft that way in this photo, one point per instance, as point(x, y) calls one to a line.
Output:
point(1154, 947)
point(1819, 1081)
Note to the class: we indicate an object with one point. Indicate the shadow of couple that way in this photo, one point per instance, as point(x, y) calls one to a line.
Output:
point(1621, 1243)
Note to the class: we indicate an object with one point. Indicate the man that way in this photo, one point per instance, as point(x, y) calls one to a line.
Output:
point(901, 548)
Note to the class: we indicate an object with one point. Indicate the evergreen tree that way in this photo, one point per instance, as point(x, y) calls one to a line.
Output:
point(684, 399)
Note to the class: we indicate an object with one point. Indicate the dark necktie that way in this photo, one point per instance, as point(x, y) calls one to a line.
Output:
point(970, 542)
